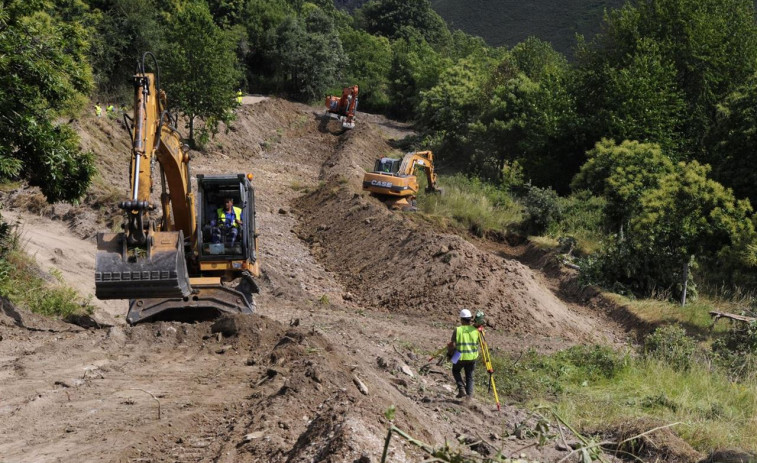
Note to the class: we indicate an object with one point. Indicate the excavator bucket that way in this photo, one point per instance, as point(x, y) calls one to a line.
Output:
point(159, 271)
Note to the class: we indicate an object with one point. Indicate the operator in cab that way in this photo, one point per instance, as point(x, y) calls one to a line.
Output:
point(229, 218)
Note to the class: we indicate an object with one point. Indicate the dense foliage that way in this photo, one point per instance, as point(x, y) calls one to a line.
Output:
point(44, 76)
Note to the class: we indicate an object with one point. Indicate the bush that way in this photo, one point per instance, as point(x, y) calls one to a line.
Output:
point(543, 208)
point(736, 352)
point(670, 345)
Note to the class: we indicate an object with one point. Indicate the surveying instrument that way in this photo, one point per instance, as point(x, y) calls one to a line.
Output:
point(478, 322)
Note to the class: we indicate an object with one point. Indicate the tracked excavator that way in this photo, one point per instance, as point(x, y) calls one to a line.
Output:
point(344, 107)
point(180, 265)
point(394, 181)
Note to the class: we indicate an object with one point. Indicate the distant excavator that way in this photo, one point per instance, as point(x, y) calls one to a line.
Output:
point(344, 107)
point(196, 260)
point(394, 181)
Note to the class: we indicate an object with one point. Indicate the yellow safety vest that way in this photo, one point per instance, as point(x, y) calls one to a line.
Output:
point(98, 110)
point(466, 341)
point(239, 97)
point(222, 215)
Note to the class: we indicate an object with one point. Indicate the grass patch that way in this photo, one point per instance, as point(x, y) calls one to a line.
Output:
point(471, 204)
point(595, 387)
point(22, 282)
point(582, 218)
point(694, 316)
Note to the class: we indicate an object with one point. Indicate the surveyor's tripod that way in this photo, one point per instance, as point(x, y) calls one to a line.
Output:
point(486, 357)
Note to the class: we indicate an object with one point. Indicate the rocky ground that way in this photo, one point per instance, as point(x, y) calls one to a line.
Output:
point(354, 298)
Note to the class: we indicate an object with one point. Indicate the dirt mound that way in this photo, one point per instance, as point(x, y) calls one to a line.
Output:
point(387, 261)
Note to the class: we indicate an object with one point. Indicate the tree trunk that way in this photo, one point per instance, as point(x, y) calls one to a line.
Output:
point(685, 282)
point(192, 131)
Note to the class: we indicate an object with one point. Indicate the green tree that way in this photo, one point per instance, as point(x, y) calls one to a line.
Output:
point(416, 67)
point(200, 68)
point(308, 54)
point(448, 108)
point(369, 60)
point(528, 118)
point(622, 174)
point(689, 215)
point(733, 141)
point(637, 98)
point(124, 30)
point(399, 19)
point(44, 75)
point(711, 44)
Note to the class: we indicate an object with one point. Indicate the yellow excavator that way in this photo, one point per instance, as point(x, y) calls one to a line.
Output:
point(189, 263)
point(394, 181)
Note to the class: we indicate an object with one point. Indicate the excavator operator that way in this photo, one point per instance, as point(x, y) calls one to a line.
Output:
point(229, 219)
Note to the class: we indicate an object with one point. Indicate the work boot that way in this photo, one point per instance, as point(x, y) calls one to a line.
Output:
point(460, 393)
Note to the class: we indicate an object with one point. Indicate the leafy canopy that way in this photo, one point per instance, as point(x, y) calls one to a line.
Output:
point(44, 75)
point(200, 70)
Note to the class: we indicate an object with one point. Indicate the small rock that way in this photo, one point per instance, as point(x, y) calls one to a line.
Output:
point(223, 349)
point(253, 436)
point(406, 369)
point(282, 211)
point(368, 221)
point(346, 296)
point(360, 386)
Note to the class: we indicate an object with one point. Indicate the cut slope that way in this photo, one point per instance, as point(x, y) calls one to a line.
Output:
point(392, 263)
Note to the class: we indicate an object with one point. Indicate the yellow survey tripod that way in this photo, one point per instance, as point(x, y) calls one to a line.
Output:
point(485, 355)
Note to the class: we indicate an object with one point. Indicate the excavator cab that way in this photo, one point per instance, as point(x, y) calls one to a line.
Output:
point(387, 165)
point(219, 240)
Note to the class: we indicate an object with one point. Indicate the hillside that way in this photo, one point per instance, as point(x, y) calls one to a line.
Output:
point(508, 22)
point(354, 297)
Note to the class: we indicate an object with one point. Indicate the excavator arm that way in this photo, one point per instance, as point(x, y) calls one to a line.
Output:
point(423, 160)
point(148, 258)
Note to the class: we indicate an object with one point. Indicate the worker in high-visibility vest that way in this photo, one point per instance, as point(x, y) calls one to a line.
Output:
point(98, 109)
point(239, 96)
point(463, 352)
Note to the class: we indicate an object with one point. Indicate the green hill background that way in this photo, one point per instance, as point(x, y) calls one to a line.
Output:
point(508, 22)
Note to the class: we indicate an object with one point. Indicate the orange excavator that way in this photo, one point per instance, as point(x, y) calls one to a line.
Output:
point(344, 106)
point(193, 261)
point(394, 181)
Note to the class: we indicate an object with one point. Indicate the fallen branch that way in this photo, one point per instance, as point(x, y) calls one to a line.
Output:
point(741, 318)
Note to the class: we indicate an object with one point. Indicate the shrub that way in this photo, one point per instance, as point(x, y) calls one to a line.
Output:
point(670, 345)
point(736, 352)
point(543, 208)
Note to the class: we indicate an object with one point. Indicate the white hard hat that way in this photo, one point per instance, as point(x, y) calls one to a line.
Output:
point(465, 313)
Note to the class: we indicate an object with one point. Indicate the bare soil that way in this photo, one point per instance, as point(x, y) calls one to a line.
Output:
point(354, 298)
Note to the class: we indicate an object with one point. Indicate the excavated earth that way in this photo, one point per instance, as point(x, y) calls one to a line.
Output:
point(354, 298)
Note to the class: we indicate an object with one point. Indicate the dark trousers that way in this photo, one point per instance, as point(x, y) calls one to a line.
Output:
point(468, 366)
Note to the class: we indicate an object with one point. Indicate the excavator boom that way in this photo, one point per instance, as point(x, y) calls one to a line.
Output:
point(144, 262)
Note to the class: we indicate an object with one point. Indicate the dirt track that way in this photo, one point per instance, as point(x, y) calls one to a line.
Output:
point(352, 295)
